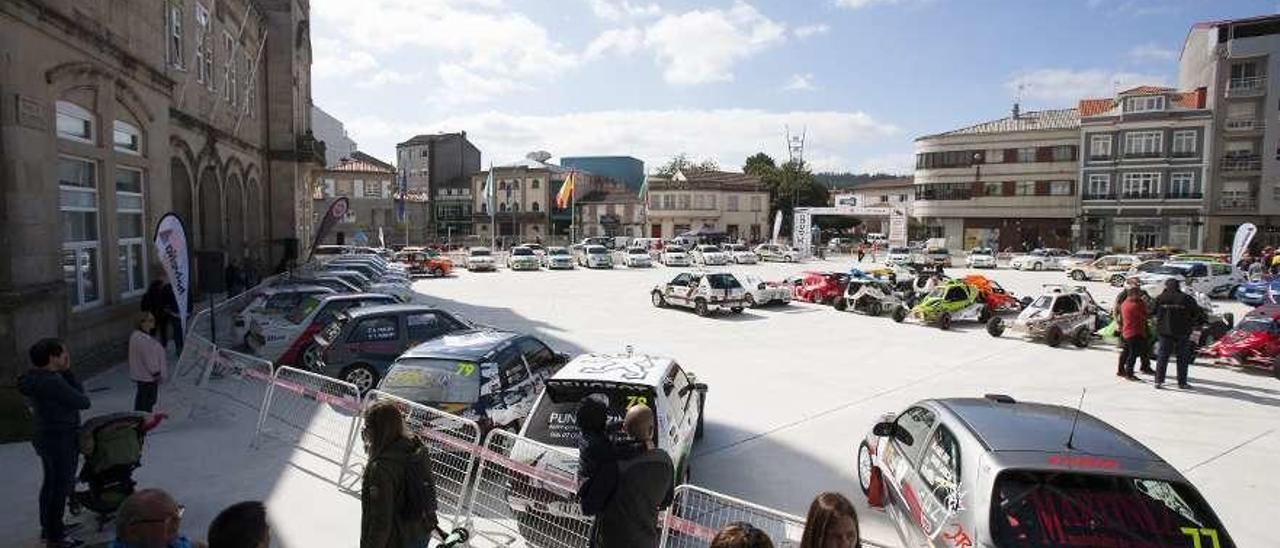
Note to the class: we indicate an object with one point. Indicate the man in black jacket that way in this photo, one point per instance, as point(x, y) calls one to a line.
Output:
point(646, 483)
point(1177, 314)
point(56, 398)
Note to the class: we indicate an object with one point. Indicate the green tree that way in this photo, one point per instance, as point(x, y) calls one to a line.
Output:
point(682, 162)
point(760, 165)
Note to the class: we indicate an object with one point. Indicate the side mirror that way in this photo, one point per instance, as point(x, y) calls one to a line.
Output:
point(562, 358)
point(700, 387)
point(884, 429)
point(761, 286)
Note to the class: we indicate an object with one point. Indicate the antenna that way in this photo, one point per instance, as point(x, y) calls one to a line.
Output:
point(1075, 420)
point(795, 145)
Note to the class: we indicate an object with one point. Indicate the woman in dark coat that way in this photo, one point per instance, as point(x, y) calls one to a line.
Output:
point(398, 496)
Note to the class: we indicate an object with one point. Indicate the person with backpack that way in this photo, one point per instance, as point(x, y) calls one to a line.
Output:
point(646, 483)
point(398, 495)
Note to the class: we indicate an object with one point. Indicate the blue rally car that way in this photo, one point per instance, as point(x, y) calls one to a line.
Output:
point(1259, 292)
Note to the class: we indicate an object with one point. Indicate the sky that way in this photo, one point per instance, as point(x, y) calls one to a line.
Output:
point(724, 79)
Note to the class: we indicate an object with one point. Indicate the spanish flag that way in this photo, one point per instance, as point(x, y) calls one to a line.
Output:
point(566, 190)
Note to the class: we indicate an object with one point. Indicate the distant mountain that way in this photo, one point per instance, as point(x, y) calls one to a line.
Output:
point(849, 180)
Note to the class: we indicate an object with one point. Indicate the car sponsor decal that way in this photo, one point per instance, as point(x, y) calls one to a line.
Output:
point(1083, 461)
point(630, 370)
point(959, 538)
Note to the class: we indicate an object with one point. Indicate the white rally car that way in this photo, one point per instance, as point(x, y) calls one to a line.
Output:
point(557, 258)
point(1040, 259)
point(702, 292)
point(741, 254)
point(1217, 280)
point(523, 258)
point(275, 338)
point(627, 379)
point(595, 256)
point(762, 293)
point(273, 301)
point(480, 258)
point(637, 257)
point(710, 255)
point(981, 257)
point(775, 252)
point(675, 256)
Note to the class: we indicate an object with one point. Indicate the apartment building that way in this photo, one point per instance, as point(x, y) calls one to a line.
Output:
point(1008, 183)
point(370, 187)
point(441, 167)
point(523, 197)
point(115, 113)
point(1146, 169)
point(736, 204)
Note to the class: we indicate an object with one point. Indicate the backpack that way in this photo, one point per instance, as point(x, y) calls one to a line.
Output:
point(419, 488)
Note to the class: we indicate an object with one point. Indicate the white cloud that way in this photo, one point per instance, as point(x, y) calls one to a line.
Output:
point(1066, 87)
point(856, 4)
point(800, 82)
point(811, 30)
point(726, 135)
point(1152, 52)
point(617, 10)
point(385, 77)
point(459, 86)
point(895, 164)
point(702, 46)
point(623, 41)
point(334, 61)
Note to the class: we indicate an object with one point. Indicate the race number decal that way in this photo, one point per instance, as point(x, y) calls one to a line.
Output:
point(633, 401)
point(1197, 534)
point(466, 369)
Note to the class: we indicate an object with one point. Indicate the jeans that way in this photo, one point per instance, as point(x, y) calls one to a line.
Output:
point(145, 398)
point(59, 452)
point(1133, 348)
point(1169, 345)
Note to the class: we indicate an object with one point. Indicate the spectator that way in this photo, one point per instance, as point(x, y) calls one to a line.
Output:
point(56, 399)
point(740, 534)
point(831, 523)
point(862, 251)
point(645, 486)
point(170, 305)
point(1177, 313)
point(154, 301)
point(150, 518)
point(398, 496)
point(148, 366)
point(597, 461)
point(241, 525)
point(1132, 316)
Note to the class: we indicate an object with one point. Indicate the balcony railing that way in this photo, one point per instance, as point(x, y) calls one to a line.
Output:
point(1184, 195)
point(1109, 196)
point(1141, 196)
point(1239, 87)
point(1099, 196)
point(1244, 124)
point(1252, 162)
point(1156, 154)
point(944, 191)
point(1238, 204)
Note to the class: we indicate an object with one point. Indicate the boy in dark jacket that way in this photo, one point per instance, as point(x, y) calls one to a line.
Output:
point(1177, 314)
point(56, 398)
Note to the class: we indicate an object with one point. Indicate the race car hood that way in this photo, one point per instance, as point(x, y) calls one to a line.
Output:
point(1034, 314)
point(1238, 341)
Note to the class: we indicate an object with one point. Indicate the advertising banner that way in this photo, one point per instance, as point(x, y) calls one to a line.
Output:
point(1244, 235)
point(337, 210)
point(171, 247)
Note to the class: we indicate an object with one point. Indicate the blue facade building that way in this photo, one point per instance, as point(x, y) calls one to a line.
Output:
point(624, 169)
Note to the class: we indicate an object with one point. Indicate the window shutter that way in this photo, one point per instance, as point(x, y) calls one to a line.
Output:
point(1010, 156)
point(1044, 154)
point(1010, 187)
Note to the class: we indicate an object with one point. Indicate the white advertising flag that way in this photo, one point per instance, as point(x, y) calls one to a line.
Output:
point(777, 226)
point(171, 247)
point(1244, 235)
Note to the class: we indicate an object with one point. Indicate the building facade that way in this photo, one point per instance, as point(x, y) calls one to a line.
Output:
point(330, 131)
point(736, 204)
point(372, 218)
point(624, 169)
point(112, 114)
point(898, 192)
point(441, 167)
point(523, 197)
point(1008, 183)
point(611, 212)
point(1144, 173)
point(1235, 61)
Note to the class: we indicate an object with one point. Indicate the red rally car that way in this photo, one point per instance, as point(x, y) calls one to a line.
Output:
point(1255, 341)
point(819, 287)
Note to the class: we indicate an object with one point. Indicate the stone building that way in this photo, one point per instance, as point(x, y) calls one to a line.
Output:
point(736, 204)
point(441, 167)
point(113, 113)
point(370, 187)
point(611, 212)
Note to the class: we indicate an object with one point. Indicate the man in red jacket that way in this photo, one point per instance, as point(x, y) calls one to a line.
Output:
point(1133, 333)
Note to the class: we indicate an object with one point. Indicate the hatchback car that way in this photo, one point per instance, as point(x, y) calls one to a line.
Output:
point(480, 258)
point(595, 256)
point(899, 256)
point(426, 263)
point(820, 287)
point(1109, 268)
point(637, 257)
point(492, 377)
point(557, 258)
point(284, 339)
point(991, 471)
point(701, 292)
point(273, 301)
point(523, 258)
point(981, 257)
point(710, 255)
point(359, 345)
point(1216, 280)
point(675, 256)
point(741, 254)
point(762, 293)
point(775, 252)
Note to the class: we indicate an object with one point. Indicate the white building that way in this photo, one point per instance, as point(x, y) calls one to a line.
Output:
point(736, 204)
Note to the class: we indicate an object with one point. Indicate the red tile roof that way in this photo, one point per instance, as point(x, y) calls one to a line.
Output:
point(359, 166)
point(1094, 107)
point(1194, 99)
point(1146, 90)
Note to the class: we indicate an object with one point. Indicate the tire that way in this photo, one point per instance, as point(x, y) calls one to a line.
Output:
point(790, 258)
point(840, 304)
point(875, 309)
point(864, 468)
point(1037, 266)
point(751, 301)
point(899, 314)
point(309, 358)
point(658, 300)
point(1116, 281)
point(944, 321)
point(1078, 275)
point(436, 272)
point(995, 327)
point(1081, 337)
point(736, 309)
point(1053, 337)
point(700, 308)
point(985, 314)
point(361, 375)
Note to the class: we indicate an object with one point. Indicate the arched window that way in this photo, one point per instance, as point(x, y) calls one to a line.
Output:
point(535, 207)
point(127, 137)
point(75, 122)
point(515, 207)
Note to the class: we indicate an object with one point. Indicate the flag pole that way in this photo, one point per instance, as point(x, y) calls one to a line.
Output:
point(493, 215)
point(573, 207)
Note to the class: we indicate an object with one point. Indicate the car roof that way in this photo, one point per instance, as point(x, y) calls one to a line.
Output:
point(642, 369)
point(294, 288)
point(1038, 427)
point(351, 296)
point(389, 309)
point(1268, 310)
point(472, 344)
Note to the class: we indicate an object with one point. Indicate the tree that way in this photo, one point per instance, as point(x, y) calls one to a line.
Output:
point(760, 165)
point(539, 156)
point(681, 162)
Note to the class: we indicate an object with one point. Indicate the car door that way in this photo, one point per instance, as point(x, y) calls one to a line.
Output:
point(1221, 279)
point(512, 375)
point(937, 483)
point(681, 414)
point(898, 457)
point(678, 288)
point(377, 341)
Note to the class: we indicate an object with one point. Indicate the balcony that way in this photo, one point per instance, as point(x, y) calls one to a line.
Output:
point(1247, 204)
point(1242, 125)
point(1142, 196)
point(1234, 164)
point(944, 191)
point(1143, 155)
point(1098, 196)
point(1184, 196)
point(1247, 87)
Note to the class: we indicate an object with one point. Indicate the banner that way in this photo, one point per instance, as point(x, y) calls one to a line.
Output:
point(777, 226)
point(1244, 235)
point(487, 190)
point(171, 247)
point(382, 239)
point(565, 196)
point(337, 210)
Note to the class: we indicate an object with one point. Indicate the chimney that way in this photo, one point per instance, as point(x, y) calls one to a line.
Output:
point(1016, 111)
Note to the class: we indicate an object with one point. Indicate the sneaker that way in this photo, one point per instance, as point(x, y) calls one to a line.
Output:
point(1185, 386)
point(1159, 386)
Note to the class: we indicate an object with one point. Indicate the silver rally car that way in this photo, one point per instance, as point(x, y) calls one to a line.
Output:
point(969, 472)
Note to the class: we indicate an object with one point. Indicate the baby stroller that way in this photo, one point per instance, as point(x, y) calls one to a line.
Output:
point(112, 449)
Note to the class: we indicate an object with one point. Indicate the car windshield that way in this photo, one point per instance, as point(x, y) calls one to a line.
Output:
point(557, 251)
point(1255, 325)
point(637, 251)
point(1171, 270)
point(522, 251)
point(433, 380)
point(708, 248)
point(1069, 509)
point(981, 251)
point(303, 310)
point(554, 420)
point(723, 281)
point(899, 250)
point(1042, 302)
point(479, 252)
point(596, 250)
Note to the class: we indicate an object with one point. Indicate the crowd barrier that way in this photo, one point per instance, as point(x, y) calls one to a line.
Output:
point(315, 412)
point(239, 377)
point(696, 515)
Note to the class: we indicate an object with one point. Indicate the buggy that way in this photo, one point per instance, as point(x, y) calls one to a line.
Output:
point(1060, 313)
point(949, 301)
point(1254, 342)
point(112, 449)
point(869, 295)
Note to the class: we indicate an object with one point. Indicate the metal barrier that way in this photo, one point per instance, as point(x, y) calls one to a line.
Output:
point(697, 514)
point(320, 410)
point(452, 440)
point(241, 378)
point(525, 493)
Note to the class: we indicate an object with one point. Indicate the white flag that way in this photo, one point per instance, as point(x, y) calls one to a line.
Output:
point(1244, 235)
point(171, 247)
point(777, 226)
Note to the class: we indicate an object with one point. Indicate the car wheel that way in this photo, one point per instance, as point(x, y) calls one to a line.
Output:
point(311, 357)
point(736, 309)
point(750, 301)
point(864, 467)
point(1037, 266)
point(436, 272)
point(1117, 280)
point(944, 321)
point(1053, 337)
point(899, 314)
point(362, 376)
point(984, 314)
point(840, 304)
point(791, 258)
point(1081, 337)
point(875, 309)
point(658, 300)
point(995, 327)
point(700, 308)
point(1077, 275)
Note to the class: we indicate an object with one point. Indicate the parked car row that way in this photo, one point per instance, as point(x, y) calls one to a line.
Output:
point(591, 255)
